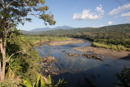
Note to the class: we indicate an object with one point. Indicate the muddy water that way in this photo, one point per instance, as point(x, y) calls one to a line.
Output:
point(101, 73)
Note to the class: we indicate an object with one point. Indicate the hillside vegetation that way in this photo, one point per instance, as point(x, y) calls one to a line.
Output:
point(113, 28)
point(115, 37)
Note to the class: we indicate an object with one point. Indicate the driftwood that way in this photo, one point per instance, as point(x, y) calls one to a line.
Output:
point(49, 59)
point(63, 50)
point(95, 56)
point(73, 54)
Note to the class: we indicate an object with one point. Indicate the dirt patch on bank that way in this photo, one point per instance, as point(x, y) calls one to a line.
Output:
point(71, 41)
point(105, 52)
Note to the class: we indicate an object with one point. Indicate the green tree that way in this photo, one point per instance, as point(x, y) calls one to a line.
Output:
point(13, 12)
point(23, 60)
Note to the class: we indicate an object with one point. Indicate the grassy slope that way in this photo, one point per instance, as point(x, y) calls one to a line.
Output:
point(47, 38)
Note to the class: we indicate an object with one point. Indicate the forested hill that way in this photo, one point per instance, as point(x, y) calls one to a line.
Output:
point(113, 28)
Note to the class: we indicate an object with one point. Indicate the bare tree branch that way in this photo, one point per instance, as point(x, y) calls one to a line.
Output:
point(17, 18)
point(20, 16)
point(8, 4)
point(33, 15)
point(14, 20)
point(7, 21)
point(12, 55)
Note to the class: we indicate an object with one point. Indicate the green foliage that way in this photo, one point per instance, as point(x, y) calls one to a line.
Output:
point(43, 82)
point(120, 48)
point(38, 83)
point(46, 38)
point(124, 42)
point(60, 38)
point(8, 83)
point(123, 77)
point(117, 44)
point(13, 12)
point(13, 67)
point(24, 63)
point(110, 46)
point(49, 81)
point(60, 83)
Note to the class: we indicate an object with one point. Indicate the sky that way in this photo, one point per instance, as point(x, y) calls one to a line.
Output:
point(83, 13)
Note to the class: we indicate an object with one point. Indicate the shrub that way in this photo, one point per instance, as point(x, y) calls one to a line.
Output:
point(120, 48)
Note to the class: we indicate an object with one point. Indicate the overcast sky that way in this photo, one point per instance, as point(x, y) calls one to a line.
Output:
point(83, 13)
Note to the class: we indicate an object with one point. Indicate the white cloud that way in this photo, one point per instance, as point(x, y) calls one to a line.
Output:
point(85, 15)
point(89, 16)
point(126, 14)
point(110, 22)
point(119, 9)
point(99, 9)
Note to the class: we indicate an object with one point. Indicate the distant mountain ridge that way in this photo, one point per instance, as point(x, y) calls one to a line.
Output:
point(47, 28)
point(125, 28)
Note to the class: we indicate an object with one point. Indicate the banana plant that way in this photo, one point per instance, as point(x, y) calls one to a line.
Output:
point(12, 68)
point(27, 83)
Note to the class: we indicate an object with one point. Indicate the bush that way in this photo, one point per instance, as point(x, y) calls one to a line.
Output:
point(120, 48)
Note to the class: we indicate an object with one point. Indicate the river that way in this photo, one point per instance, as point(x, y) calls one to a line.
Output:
point(101, 73)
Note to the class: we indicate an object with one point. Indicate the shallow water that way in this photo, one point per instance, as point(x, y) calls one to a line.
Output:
point(101, 73)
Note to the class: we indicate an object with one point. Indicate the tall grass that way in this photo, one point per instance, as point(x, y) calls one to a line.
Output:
point(110, 46)
point(124, 42)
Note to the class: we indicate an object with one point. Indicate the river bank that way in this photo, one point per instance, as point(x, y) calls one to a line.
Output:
point(64, 42)
point(105, 52)
point(41, 40)
point(102, 51)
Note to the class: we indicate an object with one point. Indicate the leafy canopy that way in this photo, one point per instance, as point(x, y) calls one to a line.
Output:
point(13, 12)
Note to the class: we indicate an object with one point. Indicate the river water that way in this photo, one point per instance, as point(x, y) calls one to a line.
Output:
point(101, 73)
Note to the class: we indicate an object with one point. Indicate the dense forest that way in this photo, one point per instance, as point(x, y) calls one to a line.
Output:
point(110, 40)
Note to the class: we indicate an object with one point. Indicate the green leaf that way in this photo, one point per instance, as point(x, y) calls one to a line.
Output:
point(26, 83)
point(43, 82)
point(25, 79)
point(49, 80)
point(60, 83)
point(21, 83)
point(38, 84)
